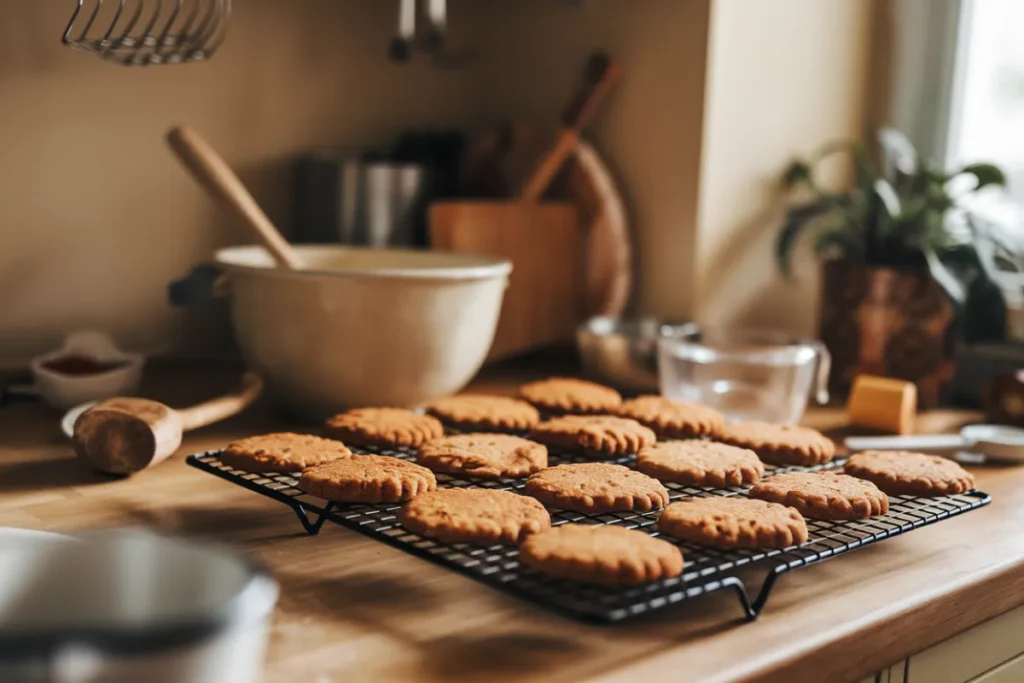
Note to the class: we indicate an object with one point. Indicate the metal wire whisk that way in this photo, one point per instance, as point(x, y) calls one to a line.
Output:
point(146, 32)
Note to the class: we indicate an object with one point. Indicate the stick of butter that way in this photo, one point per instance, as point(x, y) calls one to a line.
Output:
point(883, 404)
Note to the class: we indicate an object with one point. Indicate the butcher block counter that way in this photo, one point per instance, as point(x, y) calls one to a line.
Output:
point(353, 609)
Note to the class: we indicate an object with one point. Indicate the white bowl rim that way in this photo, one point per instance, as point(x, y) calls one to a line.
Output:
point(472, 266)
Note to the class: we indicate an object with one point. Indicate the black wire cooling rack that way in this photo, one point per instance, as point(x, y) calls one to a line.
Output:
point(706, 569)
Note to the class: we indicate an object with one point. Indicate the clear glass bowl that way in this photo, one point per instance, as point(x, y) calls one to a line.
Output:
point(745, 374)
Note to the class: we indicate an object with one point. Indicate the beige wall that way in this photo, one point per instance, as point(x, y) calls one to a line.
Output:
point(784, 76)
point(95, 215)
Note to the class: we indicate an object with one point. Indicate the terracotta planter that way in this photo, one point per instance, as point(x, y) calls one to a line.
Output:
point(886, 322)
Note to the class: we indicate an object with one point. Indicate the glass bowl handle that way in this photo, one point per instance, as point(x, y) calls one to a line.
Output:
point(824, 367)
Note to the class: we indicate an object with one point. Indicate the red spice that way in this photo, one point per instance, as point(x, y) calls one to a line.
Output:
point(81, 365)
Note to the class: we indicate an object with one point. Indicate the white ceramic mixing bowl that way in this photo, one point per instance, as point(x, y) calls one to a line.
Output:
point(364, 327)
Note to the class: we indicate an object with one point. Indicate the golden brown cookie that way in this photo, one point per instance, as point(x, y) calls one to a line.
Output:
point(673, 419)
point(565, 396)
point(367, 479)
point(488, 456)
point(477, 413)
point(282, 452)
point(385, 427)
point(902, 473)
point(780, 444)
point(733, 522)
point(595, 487)
point(597, 436)
point(696, 462)
point(824, 495)
point(481, 516)
point(603, 554)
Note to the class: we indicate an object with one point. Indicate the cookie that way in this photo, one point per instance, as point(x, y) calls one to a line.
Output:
point(673, 419)
point(595, 487)
point(733, 522)
point(367, 479)
point(605, 554)
point(474, 516)
point(487, 456)
point(385, 427)
point(476, 413)
point(598, 436)
point(282, 452)
point(824, 495)
point(696, 462)
point(780, 444)
point(902, 473)
point(565, 396)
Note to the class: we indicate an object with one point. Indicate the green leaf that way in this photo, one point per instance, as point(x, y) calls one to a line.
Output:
point(953, 287)
point(987, 174)
point(798, 172)
point(838, 239)
point(897, 151)
point(890, 200)
point(797, 220)
point(864, 169)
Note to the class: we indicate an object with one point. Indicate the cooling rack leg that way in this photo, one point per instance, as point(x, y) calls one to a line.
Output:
point(766, 589)
point(310, 524)
point(741, 593)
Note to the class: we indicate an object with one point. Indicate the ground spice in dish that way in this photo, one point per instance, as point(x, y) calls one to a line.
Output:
point(81, 365)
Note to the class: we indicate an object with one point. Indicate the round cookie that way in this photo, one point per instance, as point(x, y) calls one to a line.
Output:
point(824, 495)
point(903, 473)
point(733, 522)
point(696, 462)
point(482, 516)
point(487, 456)
point(472, 412)
point(597, 436)
point(385, 427)
point(282, 452)
point(565, 396)
point(367, 479)
point(780, 444)
point(596, 487)
point(603, 554)
point(673, 419)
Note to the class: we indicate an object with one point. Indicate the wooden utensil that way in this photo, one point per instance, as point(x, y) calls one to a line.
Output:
point(220, 182)
point(127, 435)
point(601, 73)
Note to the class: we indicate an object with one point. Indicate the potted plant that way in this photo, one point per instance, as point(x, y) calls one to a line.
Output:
point(907, 266)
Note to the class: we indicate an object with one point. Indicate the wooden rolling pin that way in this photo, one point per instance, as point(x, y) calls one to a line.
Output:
point(127, 435)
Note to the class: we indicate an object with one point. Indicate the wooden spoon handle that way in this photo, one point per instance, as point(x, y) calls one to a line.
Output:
point(217, 178)
point(223, 407)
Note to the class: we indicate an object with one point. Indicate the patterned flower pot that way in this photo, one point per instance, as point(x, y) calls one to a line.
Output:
point(886, 322)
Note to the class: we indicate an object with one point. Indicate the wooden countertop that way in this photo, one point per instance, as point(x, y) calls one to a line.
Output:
point(353, 609)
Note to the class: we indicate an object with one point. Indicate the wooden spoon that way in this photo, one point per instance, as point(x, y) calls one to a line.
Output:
point(216, 177)
point(127, 435)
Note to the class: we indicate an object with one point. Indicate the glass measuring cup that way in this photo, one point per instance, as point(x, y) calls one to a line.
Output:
point(744, 374)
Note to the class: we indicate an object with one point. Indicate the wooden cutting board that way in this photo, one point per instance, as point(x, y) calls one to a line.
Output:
point(498, 162)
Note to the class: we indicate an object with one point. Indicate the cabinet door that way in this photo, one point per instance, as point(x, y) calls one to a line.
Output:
point(968, 655)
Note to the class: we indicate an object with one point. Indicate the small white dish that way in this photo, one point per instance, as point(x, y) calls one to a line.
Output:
point(62, 390)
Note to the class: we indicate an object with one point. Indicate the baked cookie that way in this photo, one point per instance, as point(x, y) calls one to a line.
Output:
point(598, 436)
point(473, 412)
point(824, 495)
point(487, 456)
point(367, 479)
point(733, 523)
point(385, 427)
point(696, 462)
point(282, 452)
point(673, 419)
point(780, 444)
point(565, 396)
point(902, 473)
point(474, 516)
point(603, 554)
point(595, 487)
